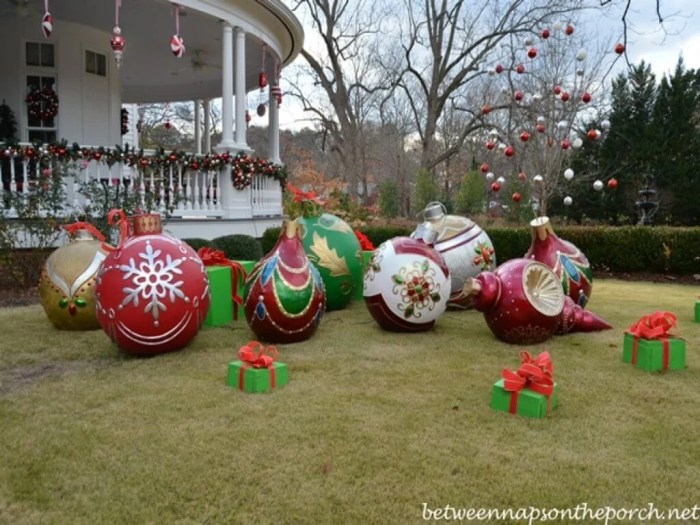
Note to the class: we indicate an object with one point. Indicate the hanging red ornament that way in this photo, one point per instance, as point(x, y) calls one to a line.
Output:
point(484, 168)
point(168, 125)
point(262, 80)
point(522, 176)
point(569, 30)
point(586, 97)
point(177, 43)
point(532, 52)
point(485, 109)
point(619, 48)
point(516, 197)
point(565, 96)
point(276, 92)
point(520, 69)
point(524, 136)
point(499, 68)
point(495, 187)
point(545, 34)
point(565, 144)
point(518, 95)
point(46, 21)
point(152, 291)
point(117, 41)
point(261, 110)
point(592, 134)
point(490, 145)
point(557, 90)
point(509, 151)
point(612, 183)
point(540, 128)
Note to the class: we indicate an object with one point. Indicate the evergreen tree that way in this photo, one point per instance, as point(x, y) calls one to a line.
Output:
point(8, 124)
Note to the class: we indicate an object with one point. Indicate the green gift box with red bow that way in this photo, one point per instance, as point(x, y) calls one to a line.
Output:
point(226, 283)
point(529, 391)
point(257, 370)
point(649, 345)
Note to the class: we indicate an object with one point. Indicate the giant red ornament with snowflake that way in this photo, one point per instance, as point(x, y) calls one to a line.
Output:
point(152, 292)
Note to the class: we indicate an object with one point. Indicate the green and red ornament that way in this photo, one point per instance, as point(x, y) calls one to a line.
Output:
point(152, 291)
point(257, 369)
point(333, 248)
point(530, 391)
point(649, 344)
point(406, 285)
point(67, 281)
point(285, 297)
point(568, 263)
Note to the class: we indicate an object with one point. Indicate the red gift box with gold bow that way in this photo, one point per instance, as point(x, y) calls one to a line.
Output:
point(257, 369)
point(650, 345)
point(529, 391)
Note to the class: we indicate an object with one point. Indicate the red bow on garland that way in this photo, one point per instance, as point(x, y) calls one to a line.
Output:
point(654, 326)
point(76, 226)
point(301, 196)
point(212, 257)
point(534, 373)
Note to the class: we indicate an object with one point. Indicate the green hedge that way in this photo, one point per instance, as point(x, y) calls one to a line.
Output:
point(660, 249)
point(269, 238)
point(239, 247)
point(196, 243)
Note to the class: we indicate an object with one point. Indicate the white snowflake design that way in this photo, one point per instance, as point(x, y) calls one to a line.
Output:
point(153, 280)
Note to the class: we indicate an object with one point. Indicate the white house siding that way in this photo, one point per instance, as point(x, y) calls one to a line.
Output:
point(89, 105)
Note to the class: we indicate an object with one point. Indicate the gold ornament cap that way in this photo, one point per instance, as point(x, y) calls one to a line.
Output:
point(147, 224)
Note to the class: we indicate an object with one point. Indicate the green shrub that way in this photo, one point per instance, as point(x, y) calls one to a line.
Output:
point(196, 243)
point(239, 247)
point(269, 238)
point(661, 249)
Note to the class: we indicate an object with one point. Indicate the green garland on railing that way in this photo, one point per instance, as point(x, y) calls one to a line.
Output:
point(243, 166)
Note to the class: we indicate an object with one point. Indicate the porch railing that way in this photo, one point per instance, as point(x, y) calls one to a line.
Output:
point(184, 192)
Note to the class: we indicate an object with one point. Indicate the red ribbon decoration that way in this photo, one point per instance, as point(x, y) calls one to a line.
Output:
point(255, 355)
point(653, 326)
point(212, 257)
point(72, 228)
point(301, 196)
point(117, 217)
point(534, 373)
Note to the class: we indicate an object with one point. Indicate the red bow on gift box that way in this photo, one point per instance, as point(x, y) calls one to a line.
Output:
point(212, 257)
point(301, 196)
point(255, 355)
point(653, 326)
point(534, 373)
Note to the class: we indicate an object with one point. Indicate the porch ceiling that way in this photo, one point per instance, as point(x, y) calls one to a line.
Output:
point(149, 71)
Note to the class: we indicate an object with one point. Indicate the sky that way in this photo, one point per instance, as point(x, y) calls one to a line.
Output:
point(659, 45)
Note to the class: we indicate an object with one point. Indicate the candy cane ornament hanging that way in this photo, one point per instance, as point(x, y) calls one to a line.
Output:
point(177, 43)
point(117, 41)
point(46, 21)
point(262, 82)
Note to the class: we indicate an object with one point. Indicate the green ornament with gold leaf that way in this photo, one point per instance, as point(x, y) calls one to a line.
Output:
point(332, 247)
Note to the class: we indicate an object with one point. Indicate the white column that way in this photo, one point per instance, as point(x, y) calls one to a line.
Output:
point(206, 106)
point(198, 127)
point(241, 140)
point(273, 127)
point(227, 89)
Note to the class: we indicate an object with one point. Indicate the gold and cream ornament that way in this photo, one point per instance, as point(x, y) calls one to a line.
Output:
point(466, 248)
point(67, 281)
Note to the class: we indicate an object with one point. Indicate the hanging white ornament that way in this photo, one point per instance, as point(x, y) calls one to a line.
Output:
point(562, 125)
point(568, 174)
point(529, 41)
point(538, 178)
point(541, 119)
point(489, 176)
point(605, 125)
point(577, 143)
point(568, 201)
point(598, 185)
point(537, 97)
point(493, 132)
point(501, 180)
point(581, 55)
point(556, 26)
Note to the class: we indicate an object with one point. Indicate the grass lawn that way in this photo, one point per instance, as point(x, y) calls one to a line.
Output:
point(372, 424)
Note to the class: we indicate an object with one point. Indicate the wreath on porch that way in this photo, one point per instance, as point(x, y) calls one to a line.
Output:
point(43, 103)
